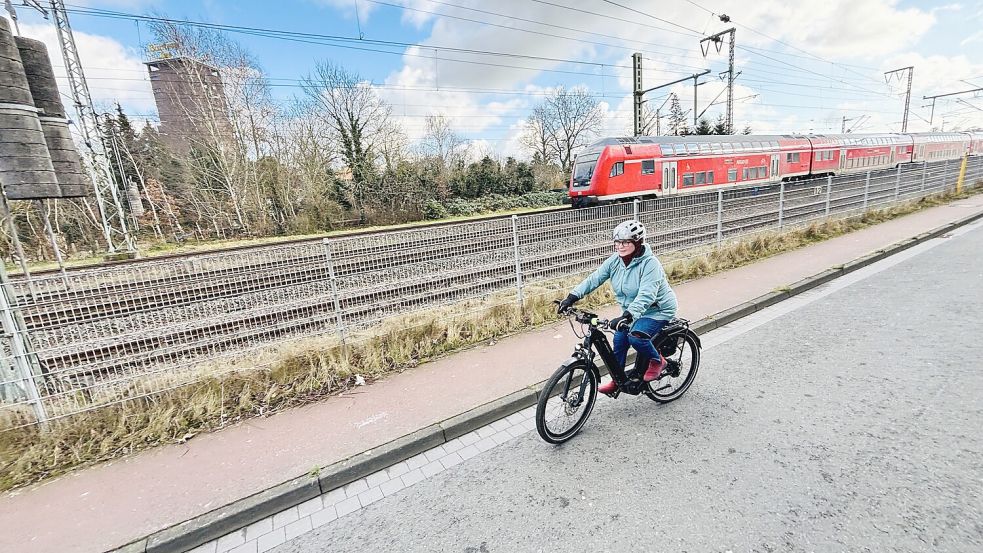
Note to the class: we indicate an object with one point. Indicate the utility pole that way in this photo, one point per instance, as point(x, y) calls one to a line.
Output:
point(907, 99)
point(933, 98)
point(717, 40)
point(639, 92)
point(114, 228)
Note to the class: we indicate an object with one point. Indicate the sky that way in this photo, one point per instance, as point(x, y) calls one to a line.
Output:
point(804, 67)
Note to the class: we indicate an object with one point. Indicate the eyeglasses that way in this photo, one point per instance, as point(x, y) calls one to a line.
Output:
point(622, 242)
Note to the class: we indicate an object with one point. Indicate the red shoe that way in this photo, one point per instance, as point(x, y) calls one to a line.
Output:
point(655, 369)
point(608, 387)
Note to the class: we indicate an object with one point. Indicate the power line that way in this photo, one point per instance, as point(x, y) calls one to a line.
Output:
point(785, 43)
point(303, 37)
point(535, 22)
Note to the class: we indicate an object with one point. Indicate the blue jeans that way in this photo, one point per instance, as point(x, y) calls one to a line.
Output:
point(639, 337)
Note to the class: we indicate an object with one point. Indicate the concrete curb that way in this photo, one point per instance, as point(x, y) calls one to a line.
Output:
point(217, 523)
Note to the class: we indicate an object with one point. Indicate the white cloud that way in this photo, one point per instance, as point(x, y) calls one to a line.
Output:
point(113, 72)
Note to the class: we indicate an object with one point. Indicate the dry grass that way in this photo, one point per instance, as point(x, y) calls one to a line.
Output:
point(311, 369)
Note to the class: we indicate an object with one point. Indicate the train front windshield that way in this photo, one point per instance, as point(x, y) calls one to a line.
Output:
point(584, 168)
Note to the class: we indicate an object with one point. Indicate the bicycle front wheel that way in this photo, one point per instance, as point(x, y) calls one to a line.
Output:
point(566, 401)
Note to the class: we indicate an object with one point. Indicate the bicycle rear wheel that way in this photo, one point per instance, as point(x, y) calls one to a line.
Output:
point(680, 371)
point(563, 409)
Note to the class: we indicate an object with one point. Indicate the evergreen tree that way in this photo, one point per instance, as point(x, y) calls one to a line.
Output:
point(747, 129)
point(703, 127)
point(677, 119)
point(720, 126)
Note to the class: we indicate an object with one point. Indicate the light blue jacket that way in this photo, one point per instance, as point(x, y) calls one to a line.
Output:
point(641, 288)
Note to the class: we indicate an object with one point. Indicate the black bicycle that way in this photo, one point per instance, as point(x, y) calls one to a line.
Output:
point(568, 397)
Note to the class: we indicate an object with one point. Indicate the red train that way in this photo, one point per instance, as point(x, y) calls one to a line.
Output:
point(616, 168)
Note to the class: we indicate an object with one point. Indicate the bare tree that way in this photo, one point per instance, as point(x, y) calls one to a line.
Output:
point(393, 146)
point(536, 138)
point(563, 122)
point(228, 131)
point(441, 143)
point(358, 116)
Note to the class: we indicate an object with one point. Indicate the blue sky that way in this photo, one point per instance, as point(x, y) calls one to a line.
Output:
point(804, 66)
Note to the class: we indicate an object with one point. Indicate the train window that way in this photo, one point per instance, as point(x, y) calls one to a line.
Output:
point(757, 145)
point(774, 143)
point(687, 179)
point(717, 148)
point(709, 177)
point(618, 169)
point(701, 178)
point(648, 166)
point(731, 175)
point(693, 148)
point(762, 172)
point(744, 174)
point(728, 147)
point(679, 149)
point(705, 147)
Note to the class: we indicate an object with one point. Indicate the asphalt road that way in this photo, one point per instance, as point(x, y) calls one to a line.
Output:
point(852, 423)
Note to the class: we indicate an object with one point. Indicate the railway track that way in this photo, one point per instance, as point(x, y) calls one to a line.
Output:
point(386, 278)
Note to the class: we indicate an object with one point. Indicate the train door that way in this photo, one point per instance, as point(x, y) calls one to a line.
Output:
point(842, 160)
point(775, 173)
point(668, 177)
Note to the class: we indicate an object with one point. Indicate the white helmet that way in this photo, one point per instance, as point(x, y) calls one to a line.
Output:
point(629, 230)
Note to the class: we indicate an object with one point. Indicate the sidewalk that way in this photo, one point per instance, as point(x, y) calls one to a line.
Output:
point(109, 505)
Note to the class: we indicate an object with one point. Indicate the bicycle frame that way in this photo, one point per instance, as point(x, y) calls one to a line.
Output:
point(597, 340)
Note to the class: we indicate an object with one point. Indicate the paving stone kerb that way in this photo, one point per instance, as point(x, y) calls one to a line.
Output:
point(217, 523)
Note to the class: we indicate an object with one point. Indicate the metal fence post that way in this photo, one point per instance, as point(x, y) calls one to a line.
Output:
point(634, 207)
point(829, 191)
point(866, 190)
point(339, 324)
point(720, 216)
point(781, 204)
point(518, 259)
point(23, 357)
point(897, 184)
point(945, 174)
point(924, 175)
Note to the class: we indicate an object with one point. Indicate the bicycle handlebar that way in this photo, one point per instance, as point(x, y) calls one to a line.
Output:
point(585, 317)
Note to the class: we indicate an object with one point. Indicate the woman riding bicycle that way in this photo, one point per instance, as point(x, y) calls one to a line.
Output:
point(642, 289)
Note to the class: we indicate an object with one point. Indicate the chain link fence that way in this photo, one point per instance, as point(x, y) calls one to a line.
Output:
point(98, 336)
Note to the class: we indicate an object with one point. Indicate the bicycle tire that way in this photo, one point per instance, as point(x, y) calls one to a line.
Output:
point(550, 401)
point(666, 389)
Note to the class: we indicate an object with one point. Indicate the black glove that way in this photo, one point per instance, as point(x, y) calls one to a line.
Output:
point(622, 323)
point(566, 303)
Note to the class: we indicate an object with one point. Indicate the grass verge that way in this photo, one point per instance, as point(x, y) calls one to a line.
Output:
point(314, 368)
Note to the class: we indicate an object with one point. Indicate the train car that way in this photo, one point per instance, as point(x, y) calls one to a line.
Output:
point(618, 168)
point(938, 146)
point(855, 153)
